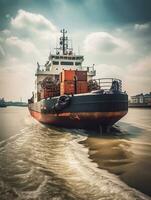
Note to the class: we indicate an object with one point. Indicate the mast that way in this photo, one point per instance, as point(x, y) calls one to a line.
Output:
point(64, 46)
point(64, 41)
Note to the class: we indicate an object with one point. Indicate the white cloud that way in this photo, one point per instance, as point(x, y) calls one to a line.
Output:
point(35, 28)
point(142, 27)
point(30, 36)
point(141, 68)
point(33, 21)
point(103, 42)
point(109, 71)
point(14, 44)
point(136, 76)
point(2, 52)
point(26, 41)
point(28, 33)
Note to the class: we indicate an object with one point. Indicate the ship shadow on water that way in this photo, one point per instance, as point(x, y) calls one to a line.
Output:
point(121, 130)
point(123, 151)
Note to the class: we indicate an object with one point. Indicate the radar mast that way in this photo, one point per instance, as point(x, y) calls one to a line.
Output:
point(64, 46)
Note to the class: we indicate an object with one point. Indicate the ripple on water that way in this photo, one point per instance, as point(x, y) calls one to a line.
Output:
point(48, 163)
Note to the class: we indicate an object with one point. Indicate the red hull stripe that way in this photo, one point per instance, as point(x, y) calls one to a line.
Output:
point(78, 117)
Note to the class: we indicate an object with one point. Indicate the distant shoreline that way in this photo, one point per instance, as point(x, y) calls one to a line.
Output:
point(13, 104)
point(134, 105)
point(18, 105)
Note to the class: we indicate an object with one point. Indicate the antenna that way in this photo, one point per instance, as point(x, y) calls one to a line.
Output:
point(64, 46)
point(64, 41)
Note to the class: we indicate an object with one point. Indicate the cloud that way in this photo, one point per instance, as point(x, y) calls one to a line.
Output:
point(17, 46)
point(33, 21)
point(26, 41)
point(2, 52)
point(141, 69)
point(103, 42)
point(34, 27)
point(28, 34)
point(29, 37)
point(142, 27)
point(109, 71)
point(136, 76)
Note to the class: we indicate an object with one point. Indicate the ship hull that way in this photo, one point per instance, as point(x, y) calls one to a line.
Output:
point(84, 111)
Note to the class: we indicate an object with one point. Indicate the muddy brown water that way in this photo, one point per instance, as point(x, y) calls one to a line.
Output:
point(39, 162)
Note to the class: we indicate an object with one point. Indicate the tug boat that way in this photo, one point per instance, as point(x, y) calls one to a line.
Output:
point(66, 93)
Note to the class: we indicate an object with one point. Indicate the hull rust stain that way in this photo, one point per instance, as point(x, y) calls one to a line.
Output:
point(79, 119)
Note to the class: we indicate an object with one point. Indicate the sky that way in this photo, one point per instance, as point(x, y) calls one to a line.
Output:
point(115, 35)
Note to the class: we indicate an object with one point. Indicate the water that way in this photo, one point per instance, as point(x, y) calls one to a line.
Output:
point(39, 162)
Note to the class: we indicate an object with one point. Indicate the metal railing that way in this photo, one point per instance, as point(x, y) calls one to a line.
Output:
point(107, 84)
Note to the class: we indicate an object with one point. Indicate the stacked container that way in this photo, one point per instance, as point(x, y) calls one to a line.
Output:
point(50, 87)
point(67, 82)
point(50, 92)
point(45, 93)
point(73, 82)
point(82, 86)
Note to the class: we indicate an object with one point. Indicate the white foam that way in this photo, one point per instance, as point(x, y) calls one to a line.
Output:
point(87, 178)
point(69, 160)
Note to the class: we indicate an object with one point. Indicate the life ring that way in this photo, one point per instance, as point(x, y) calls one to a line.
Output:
point(62, 102)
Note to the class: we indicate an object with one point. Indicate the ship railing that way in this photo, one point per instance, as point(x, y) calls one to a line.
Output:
point(41, 67)
point(106, 84)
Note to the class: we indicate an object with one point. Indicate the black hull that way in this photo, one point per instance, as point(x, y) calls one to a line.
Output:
point(84, 111)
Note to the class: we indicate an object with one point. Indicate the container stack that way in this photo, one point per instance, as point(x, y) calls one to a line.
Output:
point(49, 88)
point(67, 82)
point(73, 82)
point(51, 92)
point(81, 82)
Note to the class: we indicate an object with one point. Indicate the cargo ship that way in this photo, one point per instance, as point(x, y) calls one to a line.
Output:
point(66, 93)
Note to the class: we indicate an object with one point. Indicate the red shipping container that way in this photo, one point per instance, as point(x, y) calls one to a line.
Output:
point(45, 93)
point(68, 75)
point(67, 87)
point(82, 87)
point(81, 75)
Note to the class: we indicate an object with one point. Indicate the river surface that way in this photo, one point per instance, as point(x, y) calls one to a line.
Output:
point(40, 162)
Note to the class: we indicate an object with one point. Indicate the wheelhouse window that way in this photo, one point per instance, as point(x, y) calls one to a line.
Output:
point(77, 63)
point(66, 63)
point(55, 62)
point(79, 57)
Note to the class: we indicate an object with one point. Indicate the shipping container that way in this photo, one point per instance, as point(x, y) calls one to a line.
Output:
point(45, 93)
point(67, 87)
point(68, 75)
point(81, 87)
point(50, 82)
point(81, 75)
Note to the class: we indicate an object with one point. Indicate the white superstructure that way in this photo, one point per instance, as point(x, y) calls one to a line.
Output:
point(64, 59)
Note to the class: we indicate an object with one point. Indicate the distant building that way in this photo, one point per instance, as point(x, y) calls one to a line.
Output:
point(141, 99)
